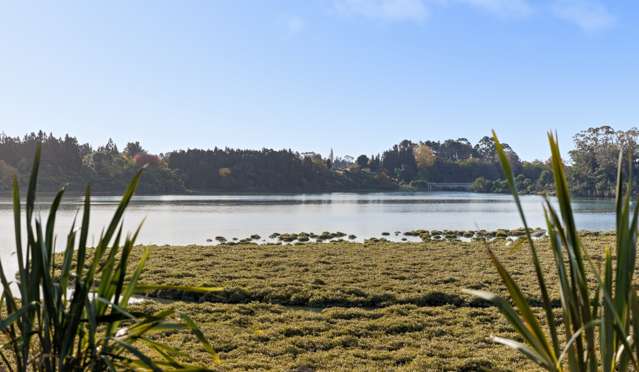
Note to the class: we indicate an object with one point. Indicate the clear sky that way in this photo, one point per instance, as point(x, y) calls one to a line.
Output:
point(355, 75)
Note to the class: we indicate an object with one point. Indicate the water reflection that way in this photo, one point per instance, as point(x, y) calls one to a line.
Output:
point(192, 219)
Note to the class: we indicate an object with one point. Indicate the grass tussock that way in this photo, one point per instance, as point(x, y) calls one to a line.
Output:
point(62, 317)
point(599, 327)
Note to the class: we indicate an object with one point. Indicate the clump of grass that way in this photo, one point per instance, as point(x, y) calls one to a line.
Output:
point(600, 327)
point(66, 317)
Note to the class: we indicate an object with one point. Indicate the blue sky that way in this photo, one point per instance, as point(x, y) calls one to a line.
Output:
point(355, 75)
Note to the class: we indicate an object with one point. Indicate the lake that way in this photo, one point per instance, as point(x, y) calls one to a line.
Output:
point(192, 219)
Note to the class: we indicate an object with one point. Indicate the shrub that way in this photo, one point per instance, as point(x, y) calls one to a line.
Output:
point(481, 184)
point(73, 315)
point(600, 328)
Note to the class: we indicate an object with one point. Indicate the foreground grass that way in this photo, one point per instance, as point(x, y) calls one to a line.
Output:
point(399, 337)
point(347, 305)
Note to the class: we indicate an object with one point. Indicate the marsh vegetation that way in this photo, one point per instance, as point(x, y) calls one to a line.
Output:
point(344, 306)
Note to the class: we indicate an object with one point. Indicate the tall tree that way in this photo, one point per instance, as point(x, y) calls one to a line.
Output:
point(594, 158)
point(362, 161)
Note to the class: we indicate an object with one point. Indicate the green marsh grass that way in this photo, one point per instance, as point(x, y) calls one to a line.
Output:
point(351, 306)
point(342, 306)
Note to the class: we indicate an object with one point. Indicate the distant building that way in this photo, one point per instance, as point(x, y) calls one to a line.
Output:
point(343, 163)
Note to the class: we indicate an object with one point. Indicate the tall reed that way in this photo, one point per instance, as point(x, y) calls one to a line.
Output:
point(599, 330)
point(73, 315)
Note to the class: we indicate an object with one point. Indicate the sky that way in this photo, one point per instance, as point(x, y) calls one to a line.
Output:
point(353, 75)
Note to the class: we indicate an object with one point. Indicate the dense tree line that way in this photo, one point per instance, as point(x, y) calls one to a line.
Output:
point(268, 171)
point(406, 165)
point(591, 171)
point(66, 162)
point(415, 165)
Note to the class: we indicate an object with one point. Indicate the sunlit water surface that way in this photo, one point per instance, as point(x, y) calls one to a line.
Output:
point(181, 220)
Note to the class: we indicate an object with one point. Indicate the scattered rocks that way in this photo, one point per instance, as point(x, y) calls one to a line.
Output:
point(288, 237)
point(422, 234)
point(538, 233)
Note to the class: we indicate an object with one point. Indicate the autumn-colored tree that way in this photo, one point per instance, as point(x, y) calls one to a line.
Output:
point(424, 156)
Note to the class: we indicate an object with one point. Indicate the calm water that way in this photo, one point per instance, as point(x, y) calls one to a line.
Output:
point(194, 219)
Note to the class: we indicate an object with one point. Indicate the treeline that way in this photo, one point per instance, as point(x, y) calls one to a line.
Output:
point(407, 165)
point(67, 162)
point(416, 165)
point(268, 170)
point(591, 170)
